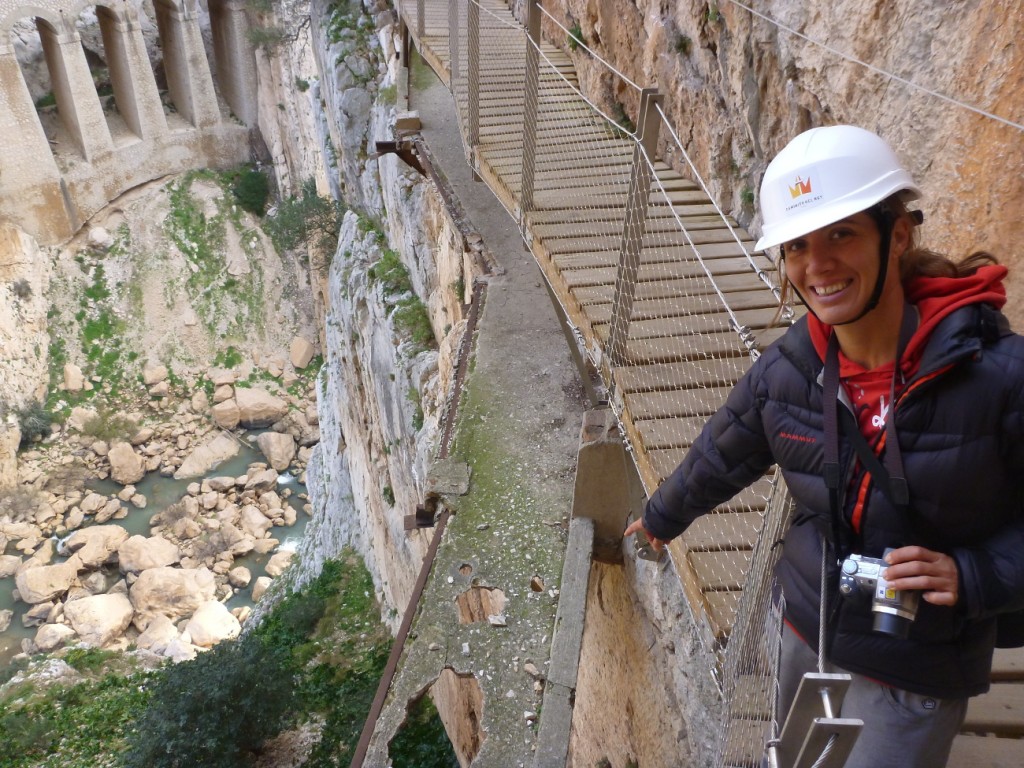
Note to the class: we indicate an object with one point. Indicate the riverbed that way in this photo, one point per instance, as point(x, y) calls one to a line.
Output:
point(161, 492)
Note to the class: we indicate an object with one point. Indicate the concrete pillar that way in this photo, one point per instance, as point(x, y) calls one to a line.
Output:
point(30, 183)
point(235, 58)
point(77, 103)
point(604, 488)
point(131, 73)
point(188, 72)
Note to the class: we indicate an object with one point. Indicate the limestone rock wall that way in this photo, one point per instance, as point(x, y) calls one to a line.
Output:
point(381, 398)
point(288, 99)
point(24, 278)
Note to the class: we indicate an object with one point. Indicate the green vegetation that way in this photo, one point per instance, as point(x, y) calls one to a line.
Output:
point(228, 358)
point(388, 494)
point(22, 288)
point(410, 316)
point(70, 726)
point(34, 421)
point(48, 99)
point(747, 196)
point(391, 273)
point(622, 118)
point(388, 94)
point(421, 741)
point(306, 220)
point(575, 38)
point(317, 656)
point(347, 22)
point(110, 425)
point(268, 38)
point(215, 710)
point(87, 660)
point(684, 45)
point(252, 189)
point(302, 84)
point(412, 321)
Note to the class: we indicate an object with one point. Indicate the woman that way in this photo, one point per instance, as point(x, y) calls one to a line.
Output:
point(895, 411)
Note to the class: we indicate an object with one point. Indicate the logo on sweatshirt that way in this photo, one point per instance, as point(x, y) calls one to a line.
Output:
point(796, 438)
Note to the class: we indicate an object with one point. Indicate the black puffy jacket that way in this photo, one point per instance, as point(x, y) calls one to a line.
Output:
point(960, 423)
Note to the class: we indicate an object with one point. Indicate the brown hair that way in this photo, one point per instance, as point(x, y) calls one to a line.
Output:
point(914, 262)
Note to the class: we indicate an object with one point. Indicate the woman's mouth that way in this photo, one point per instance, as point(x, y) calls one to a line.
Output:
point(830, 289)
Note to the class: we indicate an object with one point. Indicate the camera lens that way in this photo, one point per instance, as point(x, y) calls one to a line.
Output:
point(891, 624)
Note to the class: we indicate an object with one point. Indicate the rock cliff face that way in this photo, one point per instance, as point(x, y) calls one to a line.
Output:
point(384, 385)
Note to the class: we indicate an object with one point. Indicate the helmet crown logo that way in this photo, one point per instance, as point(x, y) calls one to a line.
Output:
point(801, 187)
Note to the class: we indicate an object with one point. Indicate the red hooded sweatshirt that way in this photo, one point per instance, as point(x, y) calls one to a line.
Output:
point(868, 389)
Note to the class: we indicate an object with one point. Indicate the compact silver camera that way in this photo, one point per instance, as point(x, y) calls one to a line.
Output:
point(894, 610)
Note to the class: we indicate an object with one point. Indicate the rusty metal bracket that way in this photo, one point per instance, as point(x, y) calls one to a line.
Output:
point(404, 150)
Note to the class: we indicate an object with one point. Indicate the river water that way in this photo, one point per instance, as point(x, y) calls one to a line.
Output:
point(160, 493)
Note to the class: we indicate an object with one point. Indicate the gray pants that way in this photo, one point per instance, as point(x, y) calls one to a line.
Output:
point(901, 729)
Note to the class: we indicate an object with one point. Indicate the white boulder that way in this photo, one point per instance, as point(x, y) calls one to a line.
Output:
point(96, 545)
point(50, 637)
point(173, 592)
point(211, 623)
point(278, 448)
point(126, 466)
point(140, 553)
point(100, 619)
point(45, 582)
point(258, 408)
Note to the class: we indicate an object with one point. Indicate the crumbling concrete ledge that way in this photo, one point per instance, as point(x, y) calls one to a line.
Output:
point(486, 619)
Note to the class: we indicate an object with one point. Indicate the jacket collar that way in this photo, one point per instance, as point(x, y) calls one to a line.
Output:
point(959, 335)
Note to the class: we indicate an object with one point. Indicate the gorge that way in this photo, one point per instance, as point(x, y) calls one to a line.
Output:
point(125, 250)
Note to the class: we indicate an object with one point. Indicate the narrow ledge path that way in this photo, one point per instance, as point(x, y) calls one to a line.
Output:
point(503, 549)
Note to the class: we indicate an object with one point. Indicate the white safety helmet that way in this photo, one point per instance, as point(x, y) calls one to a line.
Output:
point(824, 175)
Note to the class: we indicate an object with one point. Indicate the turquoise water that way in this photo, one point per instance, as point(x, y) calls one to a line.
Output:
point(160, 493)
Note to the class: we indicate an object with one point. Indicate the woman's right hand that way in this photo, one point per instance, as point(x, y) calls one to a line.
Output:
point(637, 526)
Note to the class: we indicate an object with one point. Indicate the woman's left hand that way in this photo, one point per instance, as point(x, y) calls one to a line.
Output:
point(934, 573)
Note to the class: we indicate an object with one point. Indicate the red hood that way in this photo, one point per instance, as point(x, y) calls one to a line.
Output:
point(935, 298)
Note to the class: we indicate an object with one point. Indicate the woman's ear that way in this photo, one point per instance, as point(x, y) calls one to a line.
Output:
point(902, 238)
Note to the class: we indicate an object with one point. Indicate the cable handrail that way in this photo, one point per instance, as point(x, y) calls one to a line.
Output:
point(582, 44)
point(575, 89)
point(761, 273)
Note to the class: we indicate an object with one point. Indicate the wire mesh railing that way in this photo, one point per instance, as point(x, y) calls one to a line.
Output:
point(658, 282)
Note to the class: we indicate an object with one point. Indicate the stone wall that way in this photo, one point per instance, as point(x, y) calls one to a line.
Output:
point(63, 164)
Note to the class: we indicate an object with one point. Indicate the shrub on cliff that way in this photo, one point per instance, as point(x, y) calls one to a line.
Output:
point(216, 710)
point(305, 220)
point(34, 421)
point(252, 190)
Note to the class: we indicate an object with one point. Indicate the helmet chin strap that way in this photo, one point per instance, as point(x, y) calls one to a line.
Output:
point(885, 220)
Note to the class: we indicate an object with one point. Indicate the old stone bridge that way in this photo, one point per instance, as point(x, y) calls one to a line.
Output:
point(137, 101)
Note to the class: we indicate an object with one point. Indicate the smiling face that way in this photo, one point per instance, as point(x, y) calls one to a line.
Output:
point(835, 268)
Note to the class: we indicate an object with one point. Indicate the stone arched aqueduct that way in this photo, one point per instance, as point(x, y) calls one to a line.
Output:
point(53, 180)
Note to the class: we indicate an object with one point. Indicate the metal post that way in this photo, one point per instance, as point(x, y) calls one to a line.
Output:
point(530, 107)
point(635, 223)
point(453, 47)
point(420, 20)
point(473, 43)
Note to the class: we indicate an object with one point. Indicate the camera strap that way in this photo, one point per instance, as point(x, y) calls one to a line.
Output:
point(890, 478)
